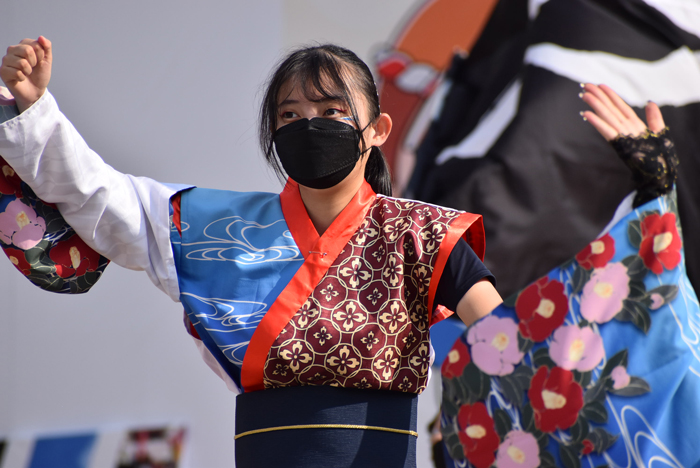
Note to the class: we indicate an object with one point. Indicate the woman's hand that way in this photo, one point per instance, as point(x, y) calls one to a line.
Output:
point(26, 70)
point(651, 157)
point(612, 117)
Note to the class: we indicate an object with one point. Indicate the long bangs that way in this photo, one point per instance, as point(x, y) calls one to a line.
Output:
point(324, 76)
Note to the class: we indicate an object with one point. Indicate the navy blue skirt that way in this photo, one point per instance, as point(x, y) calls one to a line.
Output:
point(323, 426)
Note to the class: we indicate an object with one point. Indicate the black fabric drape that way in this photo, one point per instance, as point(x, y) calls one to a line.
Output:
point(550, 183)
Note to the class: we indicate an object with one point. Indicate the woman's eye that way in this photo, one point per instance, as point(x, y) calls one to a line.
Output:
point(288, 115)
point(334, 112)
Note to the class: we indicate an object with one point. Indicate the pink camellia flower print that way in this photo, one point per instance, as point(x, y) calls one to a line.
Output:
point(657, 300)
point(574, 348)
point(604, 292)
point(494, 342)
point(457, 359)
point(20, 225)
point(541, 308)
point(661, 245)
point(598, 253)
point(620, 377)
point(518, 450)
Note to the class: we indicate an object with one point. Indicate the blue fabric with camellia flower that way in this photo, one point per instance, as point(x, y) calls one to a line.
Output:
point(597, 363)
point(40, 244)
point(36, 238)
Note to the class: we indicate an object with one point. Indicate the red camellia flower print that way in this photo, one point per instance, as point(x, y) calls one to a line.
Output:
point(18, 260)
point(555, 397)
point(477, 435)
point(597, 254)
point(73, 256)
point(541, 308)
point(457, 359)
point(10, 183)
point(661, 244)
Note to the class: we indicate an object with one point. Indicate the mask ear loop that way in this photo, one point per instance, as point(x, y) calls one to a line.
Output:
point(361, 138)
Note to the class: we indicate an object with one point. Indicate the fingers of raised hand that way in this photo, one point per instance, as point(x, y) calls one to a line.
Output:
point(46, 47)
point(610, 112)
point(602, 104)
point(625, 110)
point(654, 117)
point(20, 61)
point(608, 132)
point(33, 49)
point(38, 52)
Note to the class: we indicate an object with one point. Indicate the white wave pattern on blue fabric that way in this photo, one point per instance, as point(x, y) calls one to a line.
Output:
point(235, 352)
point(228, 316)
point(690, 331)
point(625, 421)
point(234, 239)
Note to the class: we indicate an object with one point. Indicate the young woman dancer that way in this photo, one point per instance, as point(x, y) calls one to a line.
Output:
point(315, 303)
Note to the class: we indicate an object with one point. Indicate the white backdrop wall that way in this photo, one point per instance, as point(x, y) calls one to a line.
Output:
point(168, 90)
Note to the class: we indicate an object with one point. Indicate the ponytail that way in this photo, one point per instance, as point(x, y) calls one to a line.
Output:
point(377, 172)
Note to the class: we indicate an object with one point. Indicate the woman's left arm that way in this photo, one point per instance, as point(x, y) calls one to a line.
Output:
point(480, 300)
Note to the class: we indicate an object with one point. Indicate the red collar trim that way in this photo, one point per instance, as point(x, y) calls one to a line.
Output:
point(344, 225)
point(319, 253)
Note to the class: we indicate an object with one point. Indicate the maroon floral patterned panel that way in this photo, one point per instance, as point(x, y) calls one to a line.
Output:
point(366, 323)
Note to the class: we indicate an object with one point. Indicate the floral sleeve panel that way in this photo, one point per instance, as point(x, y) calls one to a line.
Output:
point(595, 364)
point(40, 244)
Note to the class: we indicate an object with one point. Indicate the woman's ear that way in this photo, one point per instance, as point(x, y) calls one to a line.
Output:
point(382, 129)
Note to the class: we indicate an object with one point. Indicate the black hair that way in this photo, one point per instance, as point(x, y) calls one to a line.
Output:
point(326, 70)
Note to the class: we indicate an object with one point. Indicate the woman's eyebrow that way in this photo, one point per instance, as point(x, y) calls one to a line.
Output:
point(323, 99)
point(320, 100)
point(288, 101)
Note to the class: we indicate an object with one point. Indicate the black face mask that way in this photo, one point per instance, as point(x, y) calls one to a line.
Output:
point(318, 153)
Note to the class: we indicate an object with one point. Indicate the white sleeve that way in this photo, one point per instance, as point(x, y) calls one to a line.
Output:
point(214, 365)
point(124, 218)
point(623, 209)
